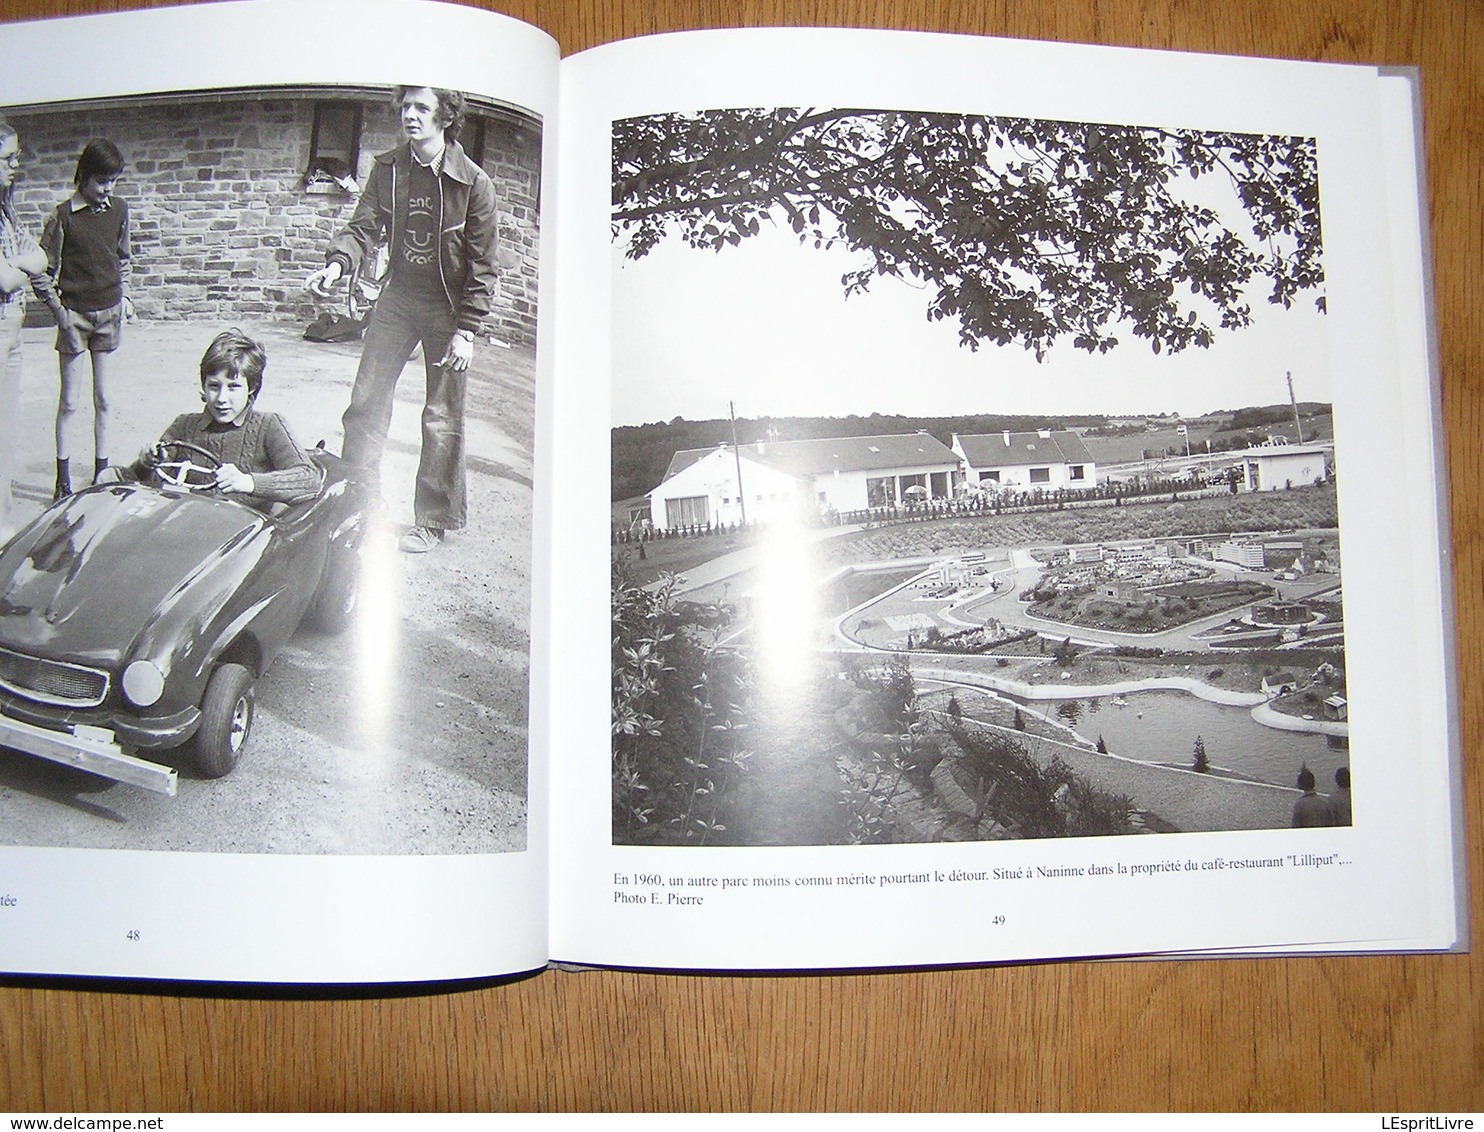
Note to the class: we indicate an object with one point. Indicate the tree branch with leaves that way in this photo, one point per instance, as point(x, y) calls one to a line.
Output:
point(1022, 231)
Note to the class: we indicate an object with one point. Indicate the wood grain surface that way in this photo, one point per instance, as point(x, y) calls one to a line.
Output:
point(1374, 1033)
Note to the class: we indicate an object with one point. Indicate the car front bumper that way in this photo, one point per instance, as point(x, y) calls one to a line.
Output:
point(99, 750)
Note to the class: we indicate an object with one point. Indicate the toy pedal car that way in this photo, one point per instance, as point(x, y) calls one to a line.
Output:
point(137, 617)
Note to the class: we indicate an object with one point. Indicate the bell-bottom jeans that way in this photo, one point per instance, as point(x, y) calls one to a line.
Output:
point(397, 325)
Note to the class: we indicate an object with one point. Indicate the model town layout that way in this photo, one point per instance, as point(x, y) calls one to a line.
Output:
point(1133, 626)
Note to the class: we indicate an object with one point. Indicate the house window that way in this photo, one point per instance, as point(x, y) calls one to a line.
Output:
point(1040, 475)
point(989, 477)
point(1074, 472)
point(334, 147)
point(688, 511)
point(881, 491)
point(471, 137)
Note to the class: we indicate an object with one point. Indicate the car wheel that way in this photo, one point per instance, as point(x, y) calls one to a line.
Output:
point(339, 589)
point(226, 720)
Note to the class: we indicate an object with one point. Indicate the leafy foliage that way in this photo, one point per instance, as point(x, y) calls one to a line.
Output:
point(892, 687)
point(872, 792)
point(1032, 799)
point(678, 718)
point(1023, 231)
point(873, 789)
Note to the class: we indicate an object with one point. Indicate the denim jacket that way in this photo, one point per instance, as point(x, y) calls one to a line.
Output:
point(467, 223)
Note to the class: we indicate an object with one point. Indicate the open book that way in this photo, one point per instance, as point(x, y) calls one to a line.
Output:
point(931, 500)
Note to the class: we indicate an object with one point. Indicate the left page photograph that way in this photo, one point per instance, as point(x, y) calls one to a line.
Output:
point(272, 362)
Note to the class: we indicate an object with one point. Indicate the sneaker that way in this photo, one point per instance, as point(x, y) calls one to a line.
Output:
point(420, 540)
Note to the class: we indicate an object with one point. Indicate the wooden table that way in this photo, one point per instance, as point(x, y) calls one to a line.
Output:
point(1376, 1033)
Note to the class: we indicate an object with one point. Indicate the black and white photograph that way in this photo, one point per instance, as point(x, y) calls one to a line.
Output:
point(972, 479)
point(267, 379)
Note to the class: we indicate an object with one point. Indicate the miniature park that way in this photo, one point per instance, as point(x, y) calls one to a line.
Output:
point(1150, 663)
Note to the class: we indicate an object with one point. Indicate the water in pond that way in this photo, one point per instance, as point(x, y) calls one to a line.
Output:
point(1162, 727)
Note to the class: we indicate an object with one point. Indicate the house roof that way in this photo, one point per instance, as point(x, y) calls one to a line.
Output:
point(989, 450)
point(1271, 450)
point(831, 454)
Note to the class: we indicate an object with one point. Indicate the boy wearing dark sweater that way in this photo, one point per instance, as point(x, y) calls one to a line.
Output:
point(260, 459)
point(86, 240)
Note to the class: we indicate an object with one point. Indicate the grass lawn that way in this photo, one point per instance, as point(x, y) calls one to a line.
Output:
point(1153, 614)
point(677, 555)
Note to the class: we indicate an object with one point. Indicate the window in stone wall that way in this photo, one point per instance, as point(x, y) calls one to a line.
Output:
point(471, 137)
point(334, 148)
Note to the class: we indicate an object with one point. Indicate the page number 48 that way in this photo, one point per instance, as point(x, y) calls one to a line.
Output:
point(132, 935)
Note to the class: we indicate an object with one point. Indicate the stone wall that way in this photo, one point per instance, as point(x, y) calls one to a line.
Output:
point(224, 229)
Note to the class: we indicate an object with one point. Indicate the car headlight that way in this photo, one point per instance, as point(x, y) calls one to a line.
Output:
point(144, 683)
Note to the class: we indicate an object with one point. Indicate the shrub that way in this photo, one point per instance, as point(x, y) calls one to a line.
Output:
point(1036, 801)
point(678, 708)
point(892, 689)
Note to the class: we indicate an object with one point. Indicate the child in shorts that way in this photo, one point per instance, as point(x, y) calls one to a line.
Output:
point(258, 457)
point(86, 240)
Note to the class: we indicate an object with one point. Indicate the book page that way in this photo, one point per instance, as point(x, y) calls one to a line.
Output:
point(341, 790)
point(1007, 565)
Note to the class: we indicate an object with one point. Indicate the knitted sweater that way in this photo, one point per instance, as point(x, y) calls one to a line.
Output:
point(87, 254)
point(259, 444)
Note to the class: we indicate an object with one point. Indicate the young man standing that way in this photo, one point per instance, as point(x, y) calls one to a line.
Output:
point(434, 209)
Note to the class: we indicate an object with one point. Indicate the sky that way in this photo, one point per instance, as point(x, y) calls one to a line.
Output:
point(766, 325)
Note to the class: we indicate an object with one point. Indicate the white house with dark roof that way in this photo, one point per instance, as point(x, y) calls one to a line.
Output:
point(1275, 467)
point(1026, 460)
point(787, 478)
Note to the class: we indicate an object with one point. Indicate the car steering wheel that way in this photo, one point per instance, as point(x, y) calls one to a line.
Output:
point(183, 471)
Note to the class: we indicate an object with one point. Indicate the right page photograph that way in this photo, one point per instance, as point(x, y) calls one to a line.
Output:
point(984, 487)
point(1028, 527)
